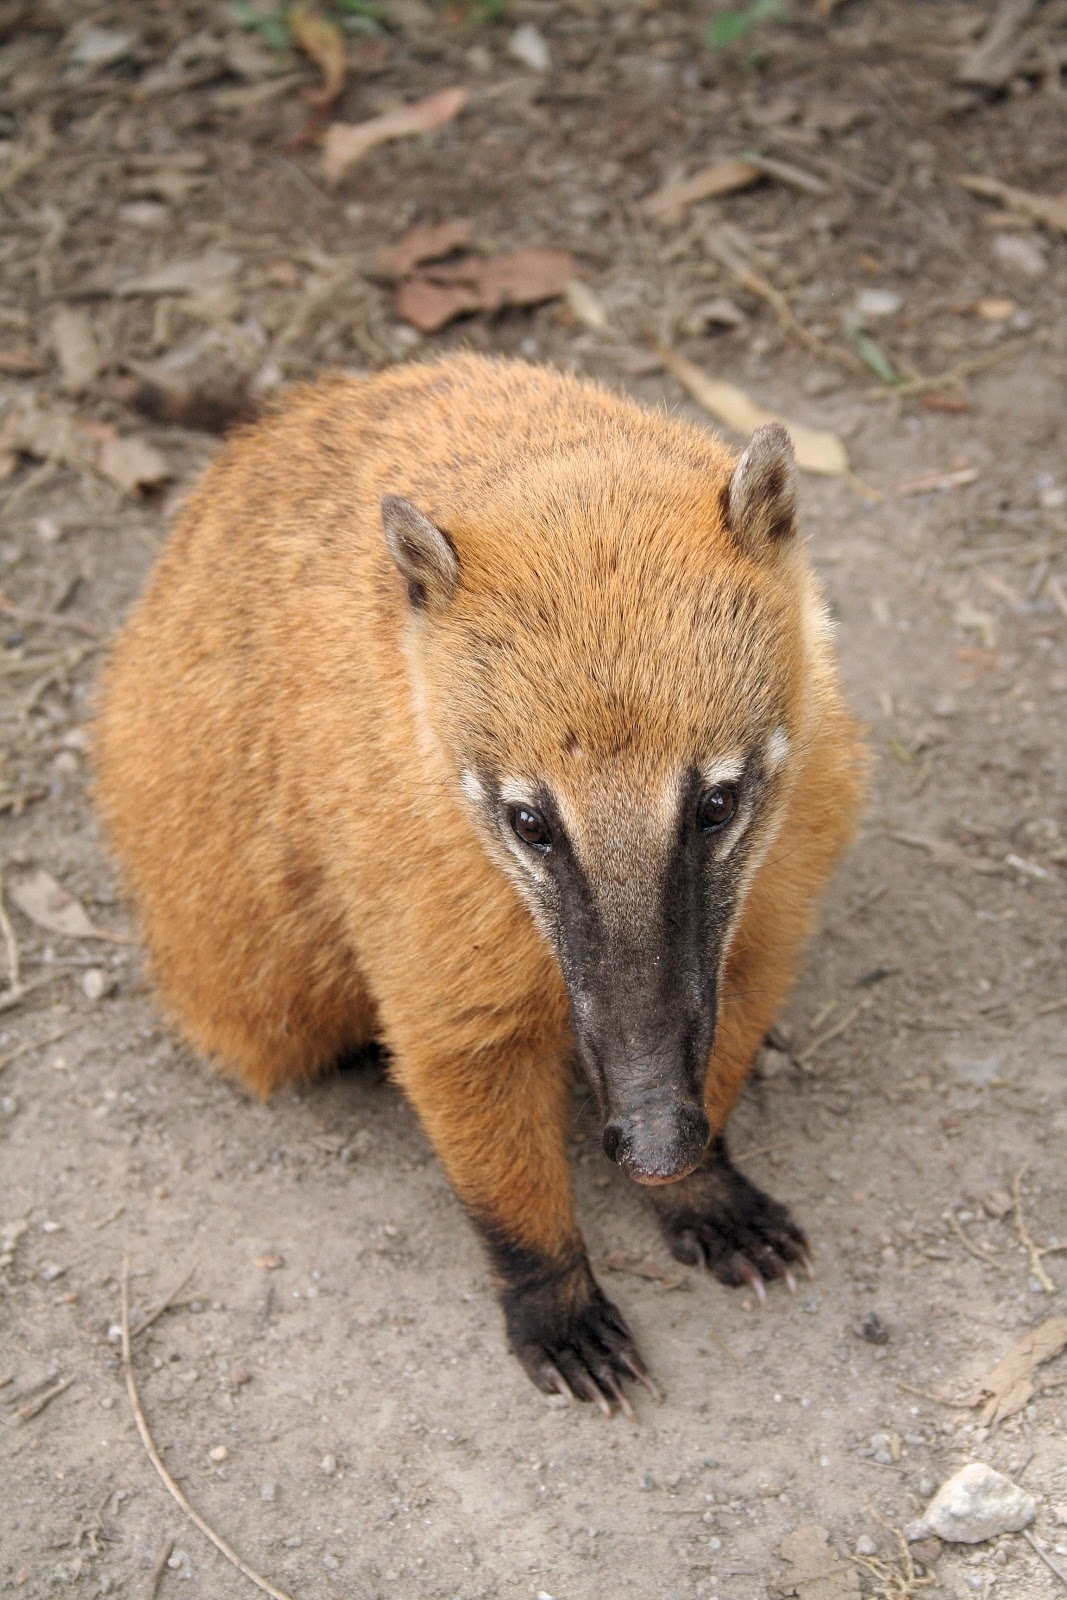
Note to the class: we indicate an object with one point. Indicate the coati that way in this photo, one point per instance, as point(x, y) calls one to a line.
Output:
point(476, 710)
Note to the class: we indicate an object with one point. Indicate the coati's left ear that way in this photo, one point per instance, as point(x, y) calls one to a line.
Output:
point(761, 504)
point(423, 552)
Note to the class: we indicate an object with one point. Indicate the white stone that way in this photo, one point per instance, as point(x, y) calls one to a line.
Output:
point(977, 1503)
point(529, 45)
point(876, 303)
point(1020, 253)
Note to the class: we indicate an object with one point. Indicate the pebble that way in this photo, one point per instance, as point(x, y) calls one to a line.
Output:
point(876, 303)
point(977, 1503)
point(328, 1464)
point(1020, 253)
point(874, 1329)
point(96, 983)
point(865, 1545)
point(268, 1491)
point(529, 45)
point(218, 1452)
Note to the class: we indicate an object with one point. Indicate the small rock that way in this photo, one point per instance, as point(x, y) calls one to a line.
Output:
point(946, 705)
point(774, 1063)
point(1020, 253)
point(916, 1531)
point(328, 1464)
point(293, 1542)
point(865, 1545)
point(218, 1452)
point(99, 47)
point(874, 1329)
point(721, 313)
point(268, 1491)
point(529, 45)
point(1053, 498)
point(977, 1503)
point(878, 303)
point(96, 983)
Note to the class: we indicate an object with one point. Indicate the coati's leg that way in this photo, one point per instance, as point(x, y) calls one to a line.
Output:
point(497, 1120)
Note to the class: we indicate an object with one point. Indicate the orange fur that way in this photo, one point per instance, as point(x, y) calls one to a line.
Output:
point(279, 740)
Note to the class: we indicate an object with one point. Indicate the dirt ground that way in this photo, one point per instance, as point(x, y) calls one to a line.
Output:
point(331, 1384)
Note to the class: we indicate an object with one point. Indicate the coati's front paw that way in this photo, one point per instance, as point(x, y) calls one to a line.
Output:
point(718, 1219)
point(571, 1339)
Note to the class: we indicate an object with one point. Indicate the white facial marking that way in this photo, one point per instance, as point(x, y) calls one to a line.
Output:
point(725, 769)
point(472, 787)
point(777, 749)
point(517, 792)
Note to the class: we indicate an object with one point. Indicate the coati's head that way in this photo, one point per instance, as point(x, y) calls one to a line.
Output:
point(613, 645)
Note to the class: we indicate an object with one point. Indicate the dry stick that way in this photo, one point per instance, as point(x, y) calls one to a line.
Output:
point(164, 1305)
point(24, 1413)
point(940, 1399)
point(34, 1044)
point(1053, 1566)
point(754, 281)
point(972, 1249)
point(946, 380)
point(10, 943)
point(760, 1150)
point(13, 997)
point(1033, 1250)
point(157, 1460)
point(831, 1033)
point(157, 1570)
point(50, 619)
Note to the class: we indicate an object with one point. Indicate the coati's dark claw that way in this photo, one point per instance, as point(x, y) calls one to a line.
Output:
point(718, 1218)
point(557, 1381)
point(638, 1371)
point(747, 1272)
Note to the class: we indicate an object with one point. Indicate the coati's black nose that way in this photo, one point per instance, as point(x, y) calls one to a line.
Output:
point(658, 1146)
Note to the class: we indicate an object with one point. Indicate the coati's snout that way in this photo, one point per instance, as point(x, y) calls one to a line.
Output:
point(659, 1144)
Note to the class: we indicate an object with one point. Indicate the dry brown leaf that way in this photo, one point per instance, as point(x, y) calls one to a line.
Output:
point(20, 363)
point(132, 463)
point(429, 306)
point(816, 1572)
point(348, 142)
point(517, 278)
point(587, 306)
point(76, 349)
point(619, 1261)
point(524, 277)
point(722, 177)
point(1007, 1387)
point(1051, 210)
point(429, 242)
point(322, 40)
point(193, 277)
point(816, 449)
point(39, 897)
point(939, 482)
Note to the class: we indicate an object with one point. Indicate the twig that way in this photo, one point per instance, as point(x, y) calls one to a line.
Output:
point(972, 1249)
point(1033, 1250)
point(8, 1378)
point(749, 278)
point(939, 1399)
point(105, 1222)
point(158, 1569)
point(13, 997)
point(164, 1305)
point(50, 619)
point(26, 1412)
point(157, 1460)
point(831, 1033)
point(34, 1044)
point(1053, 1566)
point(760, 1150)
point(10, 943)
point(947, 380)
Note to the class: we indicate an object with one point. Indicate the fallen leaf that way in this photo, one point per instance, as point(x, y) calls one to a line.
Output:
point(20, 363)
point(517, 278)
point(346, 143)
point(270, 1263)
point(931, 482)
point(429, 306)
point(817, 1571)
point(1007, 1387)
point(619, 1261)
point(76, 349)
point(993, 310)
point(429, 242)
point(39, 897)
point(587, 306)
point(816, 449)
point(938, 400)
point(722, 177)
point(524, 277)
point(321, 38)
point(132, 463)
point(183, 277)
point(1051, 210)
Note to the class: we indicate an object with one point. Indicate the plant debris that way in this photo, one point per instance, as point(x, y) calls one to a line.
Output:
point(346, 143)
point(1010, 1385)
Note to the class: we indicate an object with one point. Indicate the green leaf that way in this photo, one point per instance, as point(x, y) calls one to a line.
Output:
point(873, 355)
point(730, 26)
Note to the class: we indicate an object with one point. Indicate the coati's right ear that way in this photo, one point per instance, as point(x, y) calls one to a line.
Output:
point(761, 503)
point(422, 551)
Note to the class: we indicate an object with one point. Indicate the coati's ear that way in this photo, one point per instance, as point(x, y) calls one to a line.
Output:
point(423, 552)
point(761, 501)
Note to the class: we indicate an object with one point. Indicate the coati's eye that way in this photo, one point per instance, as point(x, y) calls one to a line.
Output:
point(531, 827)
point(717, 805)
